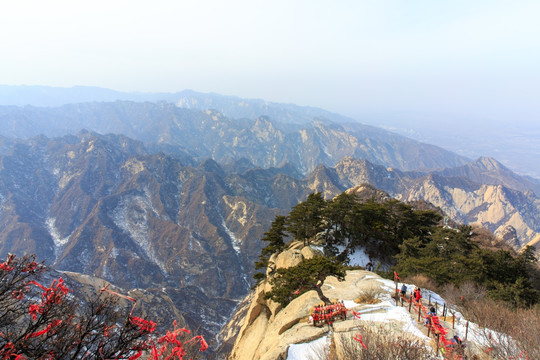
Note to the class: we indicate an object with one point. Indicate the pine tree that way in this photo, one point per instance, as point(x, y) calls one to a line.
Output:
point(310, 274)
point(338, 221)
point(305, 219)
point(276, 243)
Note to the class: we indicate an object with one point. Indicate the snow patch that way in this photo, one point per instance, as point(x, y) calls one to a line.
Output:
point(235, 242)
point(358, 257)
point(131, 215)
point(309, 350)
point(58, 240)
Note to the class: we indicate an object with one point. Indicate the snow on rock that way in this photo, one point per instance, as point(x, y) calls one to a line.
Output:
point(59, 242)
point(308, 350)
point(387, 312)
point(235, 242)
point(132, 215)
point(57, 239)
point(271, 333)
point(358, 257)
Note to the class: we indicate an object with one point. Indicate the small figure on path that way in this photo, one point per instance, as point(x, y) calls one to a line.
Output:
point(403, 290)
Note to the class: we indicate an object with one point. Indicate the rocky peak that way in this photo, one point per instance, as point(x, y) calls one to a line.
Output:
point(261, 330)
point(488, 164)
point(509, 235)
point(326, 181)
point(211, 166)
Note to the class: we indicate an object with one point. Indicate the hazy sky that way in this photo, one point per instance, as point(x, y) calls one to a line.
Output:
point(457, 59)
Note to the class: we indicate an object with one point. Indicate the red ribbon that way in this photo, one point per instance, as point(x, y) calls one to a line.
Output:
point(359, 339)
point(143, 325)
point(49, 328)
point(106, 288)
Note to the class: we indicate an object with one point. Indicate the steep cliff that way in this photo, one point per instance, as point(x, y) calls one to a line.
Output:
point(263, 330)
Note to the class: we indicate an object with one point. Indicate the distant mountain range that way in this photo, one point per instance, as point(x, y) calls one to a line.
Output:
point(154, 196)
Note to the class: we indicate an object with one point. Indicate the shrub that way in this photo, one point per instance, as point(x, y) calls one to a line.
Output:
point(508, 332)
point(48, 322)
point(372, 343)
point(370, 295)
point(422, 281)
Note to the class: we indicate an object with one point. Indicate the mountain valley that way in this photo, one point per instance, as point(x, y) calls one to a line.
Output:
point(154, 196)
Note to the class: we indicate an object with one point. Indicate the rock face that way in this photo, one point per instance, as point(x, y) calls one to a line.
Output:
point(266, 331)
point(494, 206)
point(264, 141)
point(106, 206)
point(103, 206)
point(182, 203)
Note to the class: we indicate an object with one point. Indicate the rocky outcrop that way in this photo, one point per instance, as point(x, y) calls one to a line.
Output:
point(106, 206)
point(266, 331)
point(494, 205)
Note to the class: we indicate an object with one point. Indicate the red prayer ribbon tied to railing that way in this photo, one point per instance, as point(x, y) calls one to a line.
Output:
point(434, 324)
point(171, 337)
point(356, 315)
point(359, 339)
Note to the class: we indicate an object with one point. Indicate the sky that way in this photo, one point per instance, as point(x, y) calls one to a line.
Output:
point(422, 61)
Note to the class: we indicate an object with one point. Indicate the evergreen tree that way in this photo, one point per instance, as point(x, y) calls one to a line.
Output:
point(452, 256)
point(338, 221)
point(310, 274)
point(276, 243)
point(305, 220)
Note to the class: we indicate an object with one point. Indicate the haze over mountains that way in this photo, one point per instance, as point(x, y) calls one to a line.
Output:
point(176, 194)
point(517, 148)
